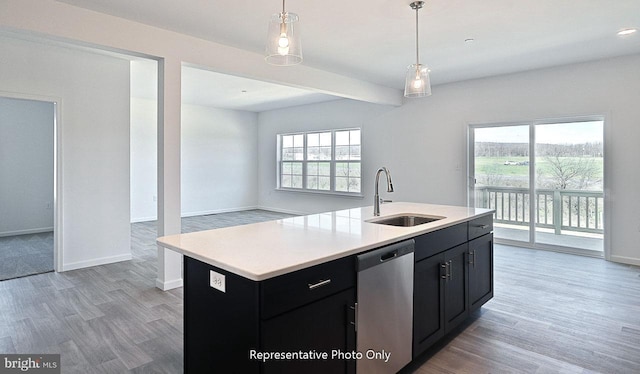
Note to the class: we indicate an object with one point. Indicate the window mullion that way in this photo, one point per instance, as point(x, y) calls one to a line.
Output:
point(304, 161)
point(332, 168)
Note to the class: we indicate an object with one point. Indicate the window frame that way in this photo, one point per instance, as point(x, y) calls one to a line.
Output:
point(305, 162)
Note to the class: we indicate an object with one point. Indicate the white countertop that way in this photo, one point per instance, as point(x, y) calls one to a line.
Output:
point(264, 250)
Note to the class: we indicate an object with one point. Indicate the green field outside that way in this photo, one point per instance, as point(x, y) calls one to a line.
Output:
point(496, 166)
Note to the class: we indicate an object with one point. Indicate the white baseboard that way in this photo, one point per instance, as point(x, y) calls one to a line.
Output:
point(218, 211)
point(199, 213)
point(286, 211)
point(168, 285)
point(26, 232)
point(626, 260)
point(143, 219)
point(95, 262)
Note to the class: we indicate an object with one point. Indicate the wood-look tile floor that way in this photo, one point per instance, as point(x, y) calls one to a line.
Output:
point(552, 313)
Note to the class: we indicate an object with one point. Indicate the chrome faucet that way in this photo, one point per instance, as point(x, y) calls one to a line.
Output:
point(376, 197)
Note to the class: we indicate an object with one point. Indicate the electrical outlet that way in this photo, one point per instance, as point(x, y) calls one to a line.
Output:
point(155, 198)
point(217, 281)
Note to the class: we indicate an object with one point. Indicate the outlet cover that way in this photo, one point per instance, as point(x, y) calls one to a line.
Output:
point(217, 281)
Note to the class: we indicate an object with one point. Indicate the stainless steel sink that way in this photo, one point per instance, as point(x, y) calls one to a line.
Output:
point(407, 220)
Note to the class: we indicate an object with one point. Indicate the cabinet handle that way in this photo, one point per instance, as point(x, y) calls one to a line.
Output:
point(450, 269)
point(319, 284)
point(472, 258)
point(484, 227)
point(444, 266)
point(355, 318)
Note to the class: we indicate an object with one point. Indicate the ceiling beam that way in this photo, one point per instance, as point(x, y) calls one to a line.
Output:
point(64, 22)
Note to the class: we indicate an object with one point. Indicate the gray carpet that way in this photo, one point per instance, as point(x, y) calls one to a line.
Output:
point(24, 255)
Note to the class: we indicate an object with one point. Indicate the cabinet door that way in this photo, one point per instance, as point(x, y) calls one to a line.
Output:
point(323, 326)
point(456, 286)
point(428, 297)
point(480, 271)
point(219, 327)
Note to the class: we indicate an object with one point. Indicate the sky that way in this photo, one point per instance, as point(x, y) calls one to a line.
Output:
point(557, 133)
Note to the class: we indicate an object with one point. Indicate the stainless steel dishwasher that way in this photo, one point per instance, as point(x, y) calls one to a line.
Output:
point(384, 315)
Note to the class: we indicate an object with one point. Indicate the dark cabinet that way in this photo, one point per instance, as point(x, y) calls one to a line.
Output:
point(440, 296)
point(323, 326)
point(428, 297)
point(480, 271)
point(453, 276)
point(307, 310)
point(456, 287)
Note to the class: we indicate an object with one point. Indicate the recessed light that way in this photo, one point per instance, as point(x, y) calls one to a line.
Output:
point(626, 32)
point(244, 91)
point(469, 40)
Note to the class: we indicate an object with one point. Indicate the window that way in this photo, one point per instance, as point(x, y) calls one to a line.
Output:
point(322, 161)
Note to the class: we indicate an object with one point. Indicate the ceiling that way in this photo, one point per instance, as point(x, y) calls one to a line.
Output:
point(375, 41)
point(207, 88)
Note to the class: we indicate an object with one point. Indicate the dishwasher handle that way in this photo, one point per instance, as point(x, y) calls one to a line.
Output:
point(385, 254)
point(389, 255)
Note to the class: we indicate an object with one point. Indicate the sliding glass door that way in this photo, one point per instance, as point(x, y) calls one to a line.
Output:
point(556, 167)
point(501, 178)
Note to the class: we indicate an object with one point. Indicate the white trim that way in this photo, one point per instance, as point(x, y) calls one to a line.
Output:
point(96, 262)
point(58, 216)
point(144, 219)
point(26, 232)
point(606, 183)
point(625, 260)
point(552, 248)
point(305, 162)
point(322, 192)
point(169, 285)
point(200, 213)
point(286, 211)
point(605, 118)
point(217, 211)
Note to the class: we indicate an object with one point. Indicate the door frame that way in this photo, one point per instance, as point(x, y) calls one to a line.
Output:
point(606, 253)
point(57, 169)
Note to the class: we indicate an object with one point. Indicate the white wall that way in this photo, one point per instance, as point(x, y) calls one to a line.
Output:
point(144, 159)
point(425, 146)
point(94, 103)
point(331, 115)
point(219, 160)
point(26, 166)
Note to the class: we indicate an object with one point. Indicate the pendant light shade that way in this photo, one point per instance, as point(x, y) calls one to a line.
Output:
point(417, 82)
point(283, 39)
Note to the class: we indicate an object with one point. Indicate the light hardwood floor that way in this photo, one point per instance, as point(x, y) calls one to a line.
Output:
point(552, 313)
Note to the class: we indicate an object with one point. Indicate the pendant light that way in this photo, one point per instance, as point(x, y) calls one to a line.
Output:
point(283, 42)
point(417, 83)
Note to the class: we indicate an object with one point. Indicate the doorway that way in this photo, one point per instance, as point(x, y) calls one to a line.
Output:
point(27, 187)
point(556, 167)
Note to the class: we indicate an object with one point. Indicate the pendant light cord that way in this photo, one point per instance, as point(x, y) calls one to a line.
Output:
point(283, 11)
point(417, 44)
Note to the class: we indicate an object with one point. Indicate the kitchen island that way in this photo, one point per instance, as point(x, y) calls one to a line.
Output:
point(286, 288)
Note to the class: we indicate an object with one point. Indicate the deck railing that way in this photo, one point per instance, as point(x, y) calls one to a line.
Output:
point(572, 210)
